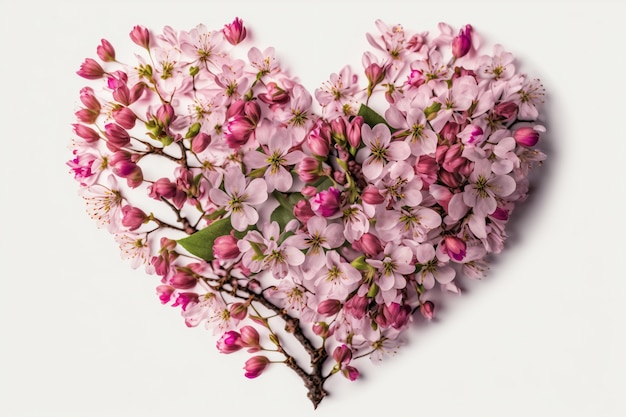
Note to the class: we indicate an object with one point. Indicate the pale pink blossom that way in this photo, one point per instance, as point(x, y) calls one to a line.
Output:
point(379, 150)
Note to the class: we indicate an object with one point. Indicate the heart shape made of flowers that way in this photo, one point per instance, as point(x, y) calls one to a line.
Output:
point(280, 228)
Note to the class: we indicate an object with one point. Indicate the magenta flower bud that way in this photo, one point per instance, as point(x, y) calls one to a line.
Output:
point(238, 311)
point(371, 195)
point(121, 94)
point(526, 136)
point(229, 342)
point(427, 308)
point(250, 339)
point(252, 110)
point(350, 372)
point(356, 306)
point(471, 135)
point(200, 142)
point(416, 78)
point(89, 100)
point(449, 131)
point(308, 169)
point(105, 51)
point(318, 143)
point(162, 187)
point(183, 279)
point(116, 136)
point(338, 128)
point(136, 92)
point(342, 355)
point(302, 211)
point(165, 293)
point(451, 179)
point(124, 117)
point(235, 32)
point(326, 203)
point(141, 36)
point(255, 366)
point(455, 247)
point(86, 116)
point(308, 191)
point(426, 168)
point(500, 214)
point(368, 244)
point(320, 329)
point(275, 95)
point(183, 299)
point(86, 133)
point(165, 114)
point(505, 110)
point(393, 315)
point(462, 43)
point(237, 132)
point(329, 307)
point(453, 158)
point(225, 248)
point(133, 217)
point(375, 74)
point(90, 70)
point(354, 131)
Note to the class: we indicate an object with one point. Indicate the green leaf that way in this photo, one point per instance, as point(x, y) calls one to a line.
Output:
point(371, 118)
point(200, 243)
point(282, 215)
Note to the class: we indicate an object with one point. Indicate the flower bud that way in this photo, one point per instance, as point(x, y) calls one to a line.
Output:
point(320, 329)
point(141, 36)
point(90, 101)
point(472, 135)
point(229, 342)
point(105, 51)
point(275, 95)
point(235, 32)
point(165, 114)
point(86, 133)
point(133, 217)
point(427, 308)
point(449, 131)
point(308, 169)
point(354, 131)
point(326, 203)
point(375, 74)
point(302, 211)
point(200, 142)
point(416, 78)
point(505, 110)
point(116, 136)
point(371, 195)
point(250, 339)
point(356, 306)
point(368, 244)
point(342, 355)
point(255, 366)
point(225, 248)
point(526, 136)
point(329, 307)
point(124, 117)
point(182, 280)
point(426, 168)
point(462, 43)
point(350, 372)
point(90, 70)
point(318, 143)
point(455, 247)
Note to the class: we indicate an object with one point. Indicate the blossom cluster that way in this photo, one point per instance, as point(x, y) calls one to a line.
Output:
point(214, 170)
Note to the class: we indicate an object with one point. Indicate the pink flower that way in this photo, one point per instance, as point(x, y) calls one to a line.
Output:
point(230, 342)
point(235, 32)
point(238, 198)
point(255, 366)
point(379, 150)
point(326, 203)
point(483, 188)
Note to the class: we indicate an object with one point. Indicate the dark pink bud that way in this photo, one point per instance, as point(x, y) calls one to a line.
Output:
point(105, 51)
point(250, 339)
point(320, 329)
point(252, 110)
point(183, 299)
point(237, 132)
point(526, 136)
point(427, 308)
point(356, 306)
point(255, 366)
point(505, 110)
point(86, 133)
point(326, 203)
point(451, 179)
point(453, 158)
point(229, 342)
point(338, 128)
point(302, 211)
point(500, 214)
point(329, 307)
point(455, 247)
point(371, 195)
point(416, 42)
point(136, 92)
point(238, 311)
point(165, 114)
point(133, 217)
point(90, 70)
point(225, 248)
point(368, 244)
point(462, 43)
point(162, 187)
point(235, 32)
point(342, 355)
point(121, 94)
point(183, 280)
point(275, 95)
point(449, 131)
point(124, 167)
point(318, 142)
point(89, 100)
point(375, 74)
point(427, 167)
point(354, 131)
point(308, 191)
point(116, 136)
point(308, 169)
point(86, 116)
point(350, 372)
point(165, 293)
point(416, 78)
point(200, 142)
point(124, 117)
point(141, 36)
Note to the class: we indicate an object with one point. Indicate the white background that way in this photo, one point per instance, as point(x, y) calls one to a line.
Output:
point(543, 335)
